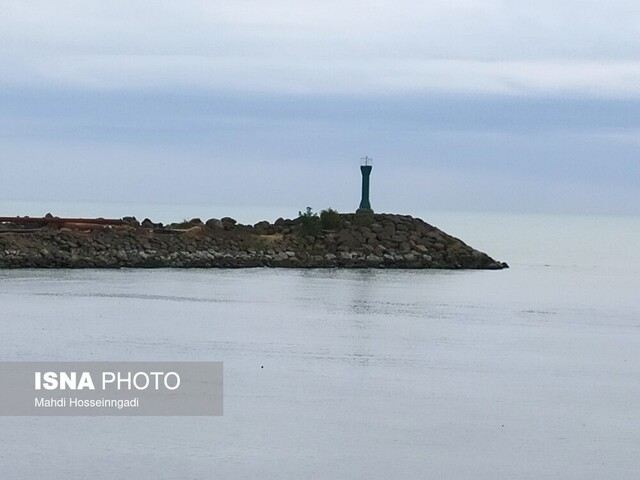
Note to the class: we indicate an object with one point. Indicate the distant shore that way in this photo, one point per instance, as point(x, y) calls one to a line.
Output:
point(334, 241)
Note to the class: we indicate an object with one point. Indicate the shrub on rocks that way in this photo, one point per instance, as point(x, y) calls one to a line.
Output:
point(331, 219)
point(309, 222)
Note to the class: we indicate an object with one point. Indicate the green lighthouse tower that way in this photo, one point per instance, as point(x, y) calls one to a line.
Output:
point(365, 169)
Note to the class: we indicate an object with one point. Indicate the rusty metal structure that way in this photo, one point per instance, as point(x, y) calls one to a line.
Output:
point(61, 220)
point(34, 224)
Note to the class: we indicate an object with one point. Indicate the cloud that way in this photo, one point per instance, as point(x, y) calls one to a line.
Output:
point(493, 104)
point(489, 153)
point(281, 75)
point(508, 47)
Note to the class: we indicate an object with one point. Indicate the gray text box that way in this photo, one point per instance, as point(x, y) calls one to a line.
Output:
point(111, 388)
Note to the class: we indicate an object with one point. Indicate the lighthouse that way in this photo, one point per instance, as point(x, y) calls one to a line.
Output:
point(365, 169)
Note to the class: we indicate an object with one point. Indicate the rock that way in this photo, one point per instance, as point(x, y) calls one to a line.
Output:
point(195, 231)
point(228, 223)
point(373, 259)
point(404, 247)
point(262, 227)
point(366, 233)
point(384, 236)
point(146, 223)
point(214, 224)
point(345, 237)
point(397, 238)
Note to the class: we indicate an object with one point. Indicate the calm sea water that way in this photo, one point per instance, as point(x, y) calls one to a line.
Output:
point(528, 373)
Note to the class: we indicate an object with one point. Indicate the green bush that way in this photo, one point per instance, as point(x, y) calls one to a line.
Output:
point(331, 219)
point(309, 222)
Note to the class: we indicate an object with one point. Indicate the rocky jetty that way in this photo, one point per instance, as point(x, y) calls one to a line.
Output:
point(344, 241)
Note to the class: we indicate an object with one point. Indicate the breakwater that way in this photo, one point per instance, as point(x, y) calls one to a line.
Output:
point(351, 241)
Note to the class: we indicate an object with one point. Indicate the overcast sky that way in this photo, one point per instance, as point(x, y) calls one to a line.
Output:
point(464, 105)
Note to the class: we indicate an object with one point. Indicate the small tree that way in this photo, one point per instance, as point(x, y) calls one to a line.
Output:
point(309, 222)
point(331, 219)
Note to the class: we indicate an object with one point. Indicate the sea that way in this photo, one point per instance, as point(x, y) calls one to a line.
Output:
point(527, 373)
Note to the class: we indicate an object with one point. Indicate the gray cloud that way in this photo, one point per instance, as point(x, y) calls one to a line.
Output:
point(495, 105)
point(535, 154)
point(512, 47)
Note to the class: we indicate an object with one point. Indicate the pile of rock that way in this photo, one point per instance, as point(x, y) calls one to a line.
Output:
point(383, 241)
